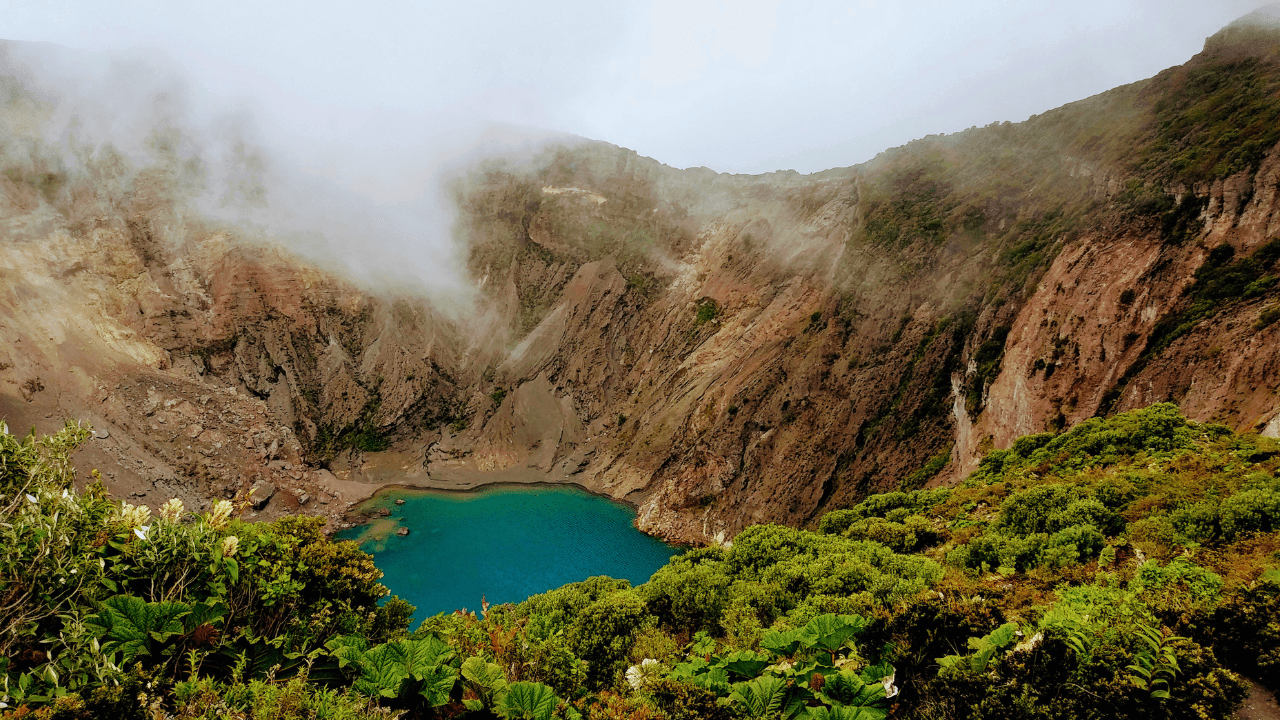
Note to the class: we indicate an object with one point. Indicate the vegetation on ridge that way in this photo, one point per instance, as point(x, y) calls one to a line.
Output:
point(1125, 568)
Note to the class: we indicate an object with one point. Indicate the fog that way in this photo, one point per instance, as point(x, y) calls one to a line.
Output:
point(744, 86)
point(376, 209)
point(331, 126)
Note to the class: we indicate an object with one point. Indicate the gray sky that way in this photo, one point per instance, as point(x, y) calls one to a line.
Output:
point(746, 86)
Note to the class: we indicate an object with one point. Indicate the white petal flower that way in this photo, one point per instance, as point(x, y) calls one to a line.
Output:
point(1030, 643)
point(230, 544)
point(31, 498)
point(890, 690)
point(172, 510)
point(220, 514)
point(141, 532)
point(134, 516)
point(638, 674)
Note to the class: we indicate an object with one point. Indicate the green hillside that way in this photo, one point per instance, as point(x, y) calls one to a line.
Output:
point(1126, 568)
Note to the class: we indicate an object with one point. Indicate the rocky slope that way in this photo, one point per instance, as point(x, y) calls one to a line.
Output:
point(720, 350)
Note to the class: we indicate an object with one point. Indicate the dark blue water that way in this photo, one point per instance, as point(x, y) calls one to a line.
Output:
point(502, 543)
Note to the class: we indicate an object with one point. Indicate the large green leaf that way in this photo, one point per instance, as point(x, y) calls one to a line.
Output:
point(829, 632)
point(849, 688)
point(987, 646)
point(703, 674)
point(419, 656)
point(687, 670)
point(783, 643)
point(714, 679)
point(436, 683)
point(761, 698)
point(257, 657)
point(485, 678)
point(347, 649)
point(703, 643)
point(382, 671)
point(403, 669)
point(209, 612)
point(1001, 637)
point(820, 664)
point(527, 701)
point(876, 673)
point(840, 712)
point(135, 627)
point(746, 663)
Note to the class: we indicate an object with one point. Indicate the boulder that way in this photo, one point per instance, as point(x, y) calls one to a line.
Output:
point(262, 493)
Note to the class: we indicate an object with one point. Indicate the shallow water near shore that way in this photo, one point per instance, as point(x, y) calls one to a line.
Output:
point(503, 543)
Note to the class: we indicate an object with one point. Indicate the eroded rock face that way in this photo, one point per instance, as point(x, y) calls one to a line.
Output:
point(719, 350)
point(1083, 334)
point(208, 366)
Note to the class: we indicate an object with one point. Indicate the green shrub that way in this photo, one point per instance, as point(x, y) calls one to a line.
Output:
point(1074, 544)
point(1269, 315)
point(296, 698)
point(914, 532)
point(1203, 584)
point(1197, 522)
point(688, 594)
point(603, 633)
point(1250, 511)
point(286, 623)
point(1245, 628)
point(880, 505)
point(707, 311)
point(554, 610)
point(684, 701)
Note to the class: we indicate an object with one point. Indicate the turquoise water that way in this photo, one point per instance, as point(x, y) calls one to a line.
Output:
point(503, 543)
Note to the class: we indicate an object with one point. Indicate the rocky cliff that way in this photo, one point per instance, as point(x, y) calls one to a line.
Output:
point(720, 350)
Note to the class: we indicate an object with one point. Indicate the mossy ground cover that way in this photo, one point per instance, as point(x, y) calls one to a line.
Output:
point(1125, 568)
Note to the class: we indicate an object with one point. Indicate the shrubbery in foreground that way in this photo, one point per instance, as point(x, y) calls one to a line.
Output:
point(1123, 569)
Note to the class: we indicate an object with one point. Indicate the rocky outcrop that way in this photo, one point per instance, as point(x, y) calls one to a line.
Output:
point(719, 350)
point(1084, 333)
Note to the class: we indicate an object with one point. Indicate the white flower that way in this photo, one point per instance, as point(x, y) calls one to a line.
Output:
point(220, 514)
point(172, 510)
point(1030, 643)
point(230, 544)
point(142, 532)
point(134, 516)
point(31, 498)
point(890, 690)
point(637, 675)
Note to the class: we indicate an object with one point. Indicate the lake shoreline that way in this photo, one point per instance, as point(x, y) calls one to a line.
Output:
point(440, 549)
point(357, 517)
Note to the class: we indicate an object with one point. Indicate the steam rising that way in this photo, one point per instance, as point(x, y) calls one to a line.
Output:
point(374, 208)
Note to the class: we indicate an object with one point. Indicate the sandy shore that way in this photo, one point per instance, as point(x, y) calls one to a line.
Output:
point(353, 485)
